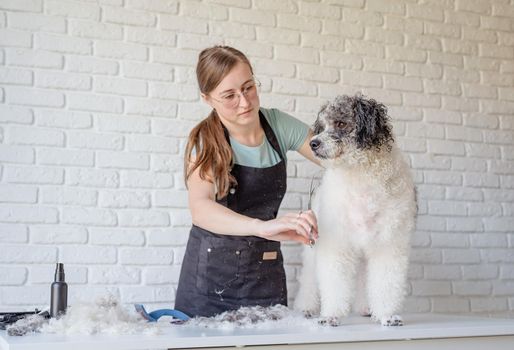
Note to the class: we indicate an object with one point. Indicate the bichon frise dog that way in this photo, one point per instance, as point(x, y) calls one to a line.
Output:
point(366, 208)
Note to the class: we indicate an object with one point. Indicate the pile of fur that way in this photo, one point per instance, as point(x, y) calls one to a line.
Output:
point(254, 317)
point(105, 315)
point(26, 325)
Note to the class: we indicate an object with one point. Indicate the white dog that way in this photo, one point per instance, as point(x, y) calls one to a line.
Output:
point(366, 210)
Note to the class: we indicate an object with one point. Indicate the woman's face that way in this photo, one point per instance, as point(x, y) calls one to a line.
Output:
point(235, 98)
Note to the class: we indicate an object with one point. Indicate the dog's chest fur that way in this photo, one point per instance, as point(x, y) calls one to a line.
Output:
point(351, 206)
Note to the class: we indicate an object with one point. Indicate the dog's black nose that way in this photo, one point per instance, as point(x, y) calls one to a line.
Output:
point(315, 144)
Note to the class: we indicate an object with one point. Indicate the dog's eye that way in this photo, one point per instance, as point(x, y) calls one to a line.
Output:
point(340, 124)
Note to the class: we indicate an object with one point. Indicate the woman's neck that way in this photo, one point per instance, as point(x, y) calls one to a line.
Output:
point(249, 135)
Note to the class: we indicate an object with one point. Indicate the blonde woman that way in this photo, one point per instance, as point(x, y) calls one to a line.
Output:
point(235, 171)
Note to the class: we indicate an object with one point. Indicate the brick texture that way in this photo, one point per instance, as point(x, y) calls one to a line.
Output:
point(97, 99)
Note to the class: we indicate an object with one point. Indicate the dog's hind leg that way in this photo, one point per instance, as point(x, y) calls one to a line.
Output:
point(307, 299)
point(387, 280)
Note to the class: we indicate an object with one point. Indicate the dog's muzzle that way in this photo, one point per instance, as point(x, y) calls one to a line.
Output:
point(316, 148)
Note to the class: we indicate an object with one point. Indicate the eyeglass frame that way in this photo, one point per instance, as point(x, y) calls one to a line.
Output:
point(257, 85)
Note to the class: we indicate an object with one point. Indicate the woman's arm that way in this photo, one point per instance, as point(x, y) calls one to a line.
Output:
point(210, 215)
point(305, 149)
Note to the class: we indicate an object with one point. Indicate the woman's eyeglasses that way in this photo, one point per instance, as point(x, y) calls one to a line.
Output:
point(232, 99)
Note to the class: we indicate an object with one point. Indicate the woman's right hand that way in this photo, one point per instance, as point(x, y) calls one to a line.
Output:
point(300, 227)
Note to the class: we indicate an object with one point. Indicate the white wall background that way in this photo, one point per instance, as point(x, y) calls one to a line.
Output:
point(97, 98)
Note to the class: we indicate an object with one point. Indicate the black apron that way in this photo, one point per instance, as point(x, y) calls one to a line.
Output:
point(222, 272)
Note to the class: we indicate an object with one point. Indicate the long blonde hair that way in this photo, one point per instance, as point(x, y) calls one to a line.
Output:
point(213, 152)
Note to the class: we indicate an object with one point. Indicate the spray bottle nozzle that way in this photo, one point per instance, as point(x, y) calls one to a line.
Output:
point(59, 272)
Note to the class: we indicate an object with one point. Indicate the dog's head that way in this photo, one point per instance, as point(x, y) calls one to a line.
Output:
point(349, 125)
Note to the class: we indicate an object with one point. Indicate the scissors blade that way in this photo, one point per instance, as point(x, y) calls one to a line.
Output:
point(311, 192)
point(309, 207)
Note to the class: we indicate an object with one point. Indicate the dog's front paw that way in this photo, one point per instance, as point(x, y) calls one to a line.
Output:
point(329, 321)
point(392, 321)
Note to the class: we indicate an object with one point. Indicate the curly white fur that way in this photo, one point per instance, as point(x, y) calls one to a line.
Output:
point(255, 317)
point(366, 207)
point(105, 316)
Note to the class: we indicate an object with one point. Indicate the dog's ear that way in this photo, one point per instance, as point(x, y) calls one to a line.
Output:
point(318, 127)
point(373, 127)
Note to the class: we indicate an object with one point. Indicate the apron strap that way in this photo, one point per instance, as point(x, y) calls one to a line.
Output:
point(270, 135)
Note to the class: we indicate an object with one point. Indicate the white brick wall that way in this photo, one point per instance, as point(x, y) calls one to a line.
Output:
point(97, 98)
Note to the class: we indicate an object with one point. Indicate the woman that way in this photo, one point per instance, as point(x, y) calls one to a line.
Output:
point(235, 171)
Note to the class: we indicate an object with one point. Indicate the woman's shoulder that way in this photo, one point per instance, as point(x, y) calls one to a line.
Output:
point(269, 113)
point(277, 118)
point(290, 130)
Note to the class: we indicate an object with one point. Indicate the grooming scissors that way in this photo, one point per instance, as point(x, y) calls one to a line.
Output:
point(309, 207)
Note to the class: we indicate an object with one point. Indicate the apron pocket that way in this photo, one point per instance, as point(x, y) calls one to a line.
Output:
point(219, 268)
point(265, 278)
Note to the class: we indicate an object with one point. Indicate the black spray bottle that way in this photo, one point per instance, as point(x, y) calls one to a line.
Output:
point(59, 294)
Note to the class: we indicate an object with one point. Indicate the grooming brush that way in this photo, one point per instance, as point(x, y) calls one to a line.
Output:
point(153, 316)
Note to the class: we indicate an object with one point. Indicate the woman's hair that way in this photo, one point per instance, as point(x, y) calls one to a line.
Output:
point(213, 152)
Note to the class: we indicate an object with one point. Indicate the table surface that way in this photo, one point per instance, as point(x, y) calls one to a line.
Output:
point(354, 329)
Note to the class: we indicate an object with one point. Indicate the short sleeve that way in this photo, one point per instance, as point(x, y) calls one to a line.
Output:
point(291, 132)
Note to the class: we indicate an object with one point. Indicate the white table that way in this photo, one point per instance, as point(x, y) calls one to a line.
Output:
point(422, 331)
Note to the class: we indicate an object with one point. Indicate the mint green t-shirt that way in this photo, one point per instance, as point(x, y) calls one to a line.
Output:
point(290, 132)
